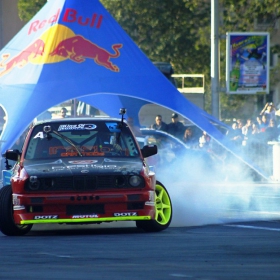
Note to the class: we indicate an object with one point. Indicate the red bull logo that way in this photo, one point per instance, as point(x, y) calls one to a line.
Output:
point(32, 51)
point(78, 49)
point(67, 45)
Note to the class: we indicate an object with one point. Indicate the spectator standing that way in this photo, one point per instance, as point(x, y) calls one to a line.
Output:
point(204, 140)
point(235, 134)
point(176, 128)
point(253, 136)
point(255, 128)
point(272, 132)
point(189, 139)
point(63, 113)
point(159, 124)
point(264, 123)
point(269, 111)
point(247, 128)
point(240, 124)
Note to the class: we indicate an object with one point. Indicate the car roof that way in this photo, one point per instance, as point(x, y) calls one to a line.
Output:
point(68, 120)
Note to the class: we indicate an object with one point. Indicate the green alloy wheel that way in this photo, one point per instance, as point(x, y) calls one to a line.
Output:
point(163, 215)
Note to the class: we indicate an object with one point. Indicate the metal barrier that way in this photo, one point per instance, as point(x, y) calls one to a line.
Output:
point(261, 155)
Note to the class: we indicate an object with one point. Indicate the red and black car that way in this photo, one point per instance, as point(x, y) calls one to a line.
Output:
point(82, 171)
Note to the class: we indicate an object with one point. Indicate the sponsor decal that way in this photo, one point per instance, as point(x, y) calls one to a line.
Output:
point(125, 214)
point(65, 127)
point(47, 217)
point(113, 127)
point(82, 161)
point(85, 216)
point(100, 166)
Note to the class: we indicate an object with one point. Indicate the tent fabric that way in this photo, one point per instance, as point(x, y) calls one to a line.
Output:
point(75, 49)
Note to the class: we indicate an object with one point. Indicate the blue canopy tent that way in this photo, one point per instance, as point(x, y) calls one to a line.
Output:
point(75, 49)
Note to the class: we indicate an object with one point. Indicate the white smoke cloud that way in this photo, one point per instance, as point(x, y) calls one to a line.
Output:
point(218, 194)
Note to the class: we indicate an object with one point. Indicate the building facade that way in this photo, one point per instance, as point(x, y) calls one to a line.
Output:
point(10, 22)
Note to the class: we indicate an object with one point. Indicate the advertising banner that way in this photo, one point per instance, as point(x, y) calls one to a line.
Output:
point(247, 63)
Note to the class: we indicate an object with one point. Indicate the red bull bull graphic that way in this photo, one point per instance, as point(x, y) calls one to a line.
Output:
point(46, 50)
point(78, 48)
point(32, 51)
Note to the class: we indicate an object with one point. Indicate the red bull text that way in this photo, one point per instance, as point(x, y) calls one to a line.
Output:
point(70, 16)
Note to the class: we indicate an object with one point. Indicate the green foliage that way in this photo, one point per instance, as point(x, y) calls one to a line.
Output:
point(179, 31)
point(28, 8)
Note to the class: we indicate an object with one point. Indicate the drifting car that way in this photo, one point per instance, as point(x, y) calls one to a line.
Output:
point(82, 171)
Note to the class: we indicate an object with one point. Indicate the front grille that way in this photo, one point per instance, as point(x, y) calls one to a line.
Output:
point(79, 183)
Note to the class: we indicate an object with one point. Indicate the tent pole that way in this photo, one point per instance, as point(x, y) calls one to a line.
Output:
point(74, 102)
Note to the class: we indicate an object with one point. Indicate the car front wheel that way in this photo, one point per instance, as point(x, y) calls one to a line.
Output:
point(163, 214)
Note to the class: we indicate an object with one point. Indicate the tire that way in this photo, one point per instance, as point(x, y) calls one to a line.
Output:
point(163, 215)
point(7, 224)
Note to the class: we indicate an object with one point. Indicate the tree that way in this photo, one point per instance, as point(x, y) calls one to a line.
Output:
point(28, 8)
point(179, 31)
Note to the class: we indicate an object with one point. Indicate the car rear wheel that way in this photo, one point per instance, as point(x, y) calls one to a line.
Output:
point(7, 224)
point(163, 215)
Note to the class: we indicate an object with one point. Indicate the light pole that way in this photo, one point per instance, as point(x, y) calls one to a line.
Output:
point(215, 59)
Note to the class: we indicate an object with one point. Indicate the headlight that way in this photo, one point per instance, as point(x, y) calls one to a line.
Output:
point(135, 181)
point(34, 183)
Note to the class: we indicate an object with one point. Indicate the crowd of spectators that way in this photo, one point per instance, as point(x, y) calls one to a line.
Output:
point(256, 130)
point(260, 129)
point(182, 132)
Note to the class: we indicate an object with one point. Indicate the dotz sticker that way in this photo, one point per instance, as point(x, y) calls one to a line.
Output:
point(65, 127)
point(126, 214)
point(48, 217)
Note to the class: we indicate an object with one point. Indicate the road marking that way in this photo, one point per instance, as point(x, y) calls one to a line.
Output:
point(253, 227)
point(54, 255)
point(180, 275)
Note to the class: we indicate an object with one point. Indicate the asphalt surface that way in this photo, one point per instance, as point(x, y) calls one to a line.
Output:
point(243, 250)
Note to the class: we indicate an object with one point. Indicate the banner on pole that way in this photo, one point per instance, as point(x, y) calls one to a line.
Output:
point(247, 70)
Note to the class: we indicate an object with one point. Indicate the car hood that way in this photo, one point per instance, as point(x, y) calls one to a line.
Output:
point(70, 167)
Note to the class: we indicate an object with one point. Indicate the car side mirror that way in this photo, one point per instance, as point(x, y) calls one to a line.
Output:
point(149, 150)
point(12, 155)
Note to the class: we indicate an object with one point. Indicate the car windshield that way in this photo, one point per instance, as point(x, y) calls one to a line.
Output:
point(81, 139)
